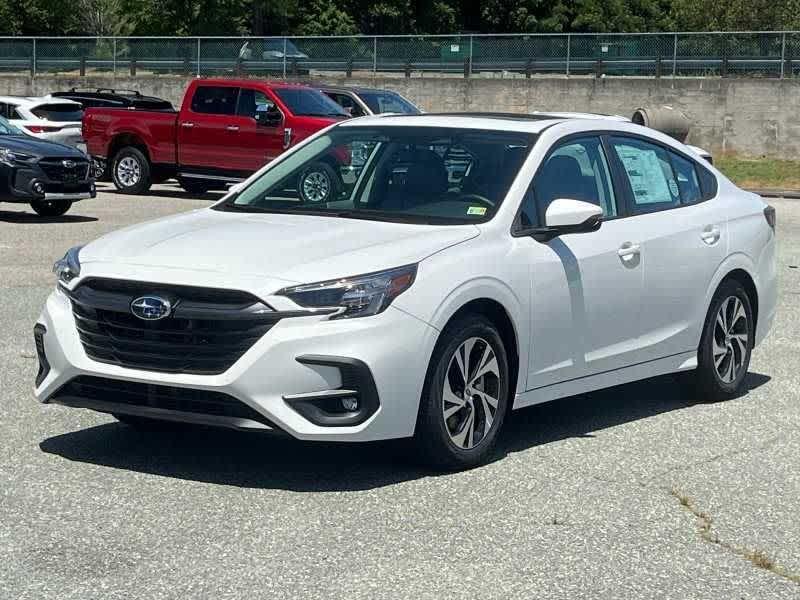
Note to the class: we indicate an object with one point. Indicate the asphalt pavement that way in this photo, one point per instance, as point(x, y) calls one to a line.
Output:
point(640, 491)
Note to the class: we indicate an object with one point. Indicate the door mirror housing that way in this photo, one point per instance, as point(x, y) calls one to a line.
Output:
point(267, 118)
point(565, 215)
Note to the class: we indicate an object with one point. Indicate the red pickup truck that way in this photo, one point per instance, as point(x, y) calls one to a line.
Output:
point(225, 130)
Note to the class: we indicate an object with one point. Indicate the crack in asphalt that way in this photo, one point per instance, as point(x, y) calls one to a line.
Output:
point(705, 523)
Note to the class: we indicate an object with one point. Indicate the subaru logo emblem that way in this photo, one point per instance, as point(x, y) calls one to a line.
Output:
point(151, 308)
point(68, 164)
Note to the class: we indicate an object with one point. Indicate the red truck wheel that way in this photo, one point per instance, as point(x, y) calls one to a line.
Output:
point(318, 183)
point(131, 171)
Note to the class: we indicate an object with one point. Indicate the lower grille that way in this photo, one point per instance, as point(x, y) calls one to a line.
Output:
point(206, 333)
point(55, 169)
point(204, 402)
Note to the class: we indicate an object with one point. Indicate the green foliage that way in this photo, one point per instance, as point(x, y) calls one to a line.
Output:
point(347, 17)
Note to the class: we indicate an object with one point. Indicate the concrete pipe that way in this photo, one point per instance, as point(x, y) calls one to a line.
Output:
point(664, 119)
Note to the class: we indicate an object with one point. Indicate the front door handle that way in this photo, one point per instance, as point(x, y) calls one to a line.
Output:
point(710, 235)
point(187, 124)
point(232, 128)
point(628, 250)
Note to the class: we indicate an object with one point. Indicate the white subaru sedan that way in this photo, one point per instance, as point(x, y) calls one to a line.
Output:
point(465, 266)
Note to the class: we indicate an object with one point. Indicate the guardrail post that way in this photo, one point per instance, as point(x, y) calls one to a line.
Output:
point(529, 68)
point(788, 64)
point(294, 68)
point(33, 61)
point(569, 51)
point(466, 67)
point(349, 72)
point(658, 67)
point(783, 55)
point(133, 67)
point(83, 67)
point(675, 57)
point(408, 69)
point(471, 38)
point(723, 72)
point(187, 66)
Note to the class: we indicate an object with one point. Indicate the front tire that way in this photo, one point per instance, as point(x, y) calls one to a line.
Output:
point(131, 171)
point(318, 183)
point(726, 344)
point(465, 399)
point(50, 208)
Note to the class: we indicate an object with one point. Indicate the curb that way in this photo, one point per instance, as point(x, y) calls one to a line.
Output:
point(777, 193)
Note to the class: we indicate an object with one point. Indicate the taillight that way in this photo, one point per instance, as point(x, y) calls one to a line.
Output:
point(41, 128)
point(769, 215)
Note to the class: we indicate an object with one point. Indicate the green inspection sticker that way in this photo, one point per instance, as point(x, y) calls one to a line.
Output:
point(476, 210)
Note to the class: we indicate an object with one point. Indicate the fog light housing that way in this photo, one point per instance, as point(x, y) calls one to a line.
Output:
point(44, 366)
point(350, 404)
point(37, 187)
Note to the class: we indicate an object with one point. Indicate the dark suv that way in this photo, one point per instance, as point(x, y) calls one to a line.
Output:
point(46, 175)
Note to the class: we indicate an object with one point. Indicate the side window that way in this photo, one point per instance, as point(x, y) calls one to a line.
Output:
point(575, 170)
point(4, 110)
point(650, 175)
point(688, 182)
point(212, 100)
point(250, 100)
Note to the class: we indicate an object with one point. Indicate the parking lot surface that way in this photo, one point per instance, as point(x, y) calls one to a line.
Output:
point(640, 491)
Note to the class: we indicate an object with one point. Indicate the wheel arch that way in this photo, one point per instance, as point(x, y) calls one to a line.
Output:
point(123, 140)
point(741, 268)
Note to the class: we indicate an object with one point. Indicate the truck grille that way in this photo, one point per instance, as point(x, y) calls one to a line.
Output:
point(56, 170)
point(207, 331)
point(205, 402)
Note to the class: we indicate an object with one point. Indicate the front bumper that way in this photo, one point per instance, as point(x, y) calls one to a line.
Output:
point(299, 359)
point(22, 183)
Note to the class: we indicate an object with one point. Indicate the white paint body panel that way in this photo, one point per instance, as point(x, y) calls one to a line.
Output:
point(589, 310)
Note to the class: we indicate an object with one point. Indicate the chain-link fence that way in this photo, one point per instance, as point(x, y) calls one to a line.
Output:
point(724, 54)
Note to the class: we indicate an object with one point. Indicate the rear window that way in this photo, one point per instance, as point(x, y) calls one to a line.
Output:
point(59, 112)
point(214, 100)
point(309, 103)
point(388, 102)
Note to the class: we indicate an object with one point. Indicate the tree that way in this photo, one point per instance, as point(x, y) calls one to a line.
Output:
point(323, 17)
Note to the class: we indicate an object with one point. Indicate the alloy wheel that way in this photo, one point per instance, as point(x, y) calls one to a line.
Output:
point(471, 393)
point(129, 172)
point(730, 340)
point(316, 186)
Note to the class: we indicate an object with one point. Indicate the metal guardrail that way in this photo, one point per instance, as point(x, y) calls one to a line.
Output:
point(752, 54)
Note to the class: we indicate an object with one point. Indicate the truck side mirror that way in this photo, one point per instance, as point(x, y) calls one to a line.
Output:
point(267, 118)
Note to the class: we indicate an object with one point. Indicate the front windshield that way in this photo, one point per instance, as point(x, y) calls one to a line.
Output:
point(410, 174)
point(305, 102)
point(388, 102)
point(7, 128)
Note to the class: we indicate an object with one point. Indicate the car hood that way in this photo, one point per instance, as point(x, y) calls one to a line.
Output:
point(38, 147)
point(289, 248)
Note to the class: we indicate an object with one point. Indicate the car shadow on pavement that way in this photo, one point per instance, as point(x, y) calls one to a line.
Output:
point(31, 218)
point(262, 461)
point(167, 191)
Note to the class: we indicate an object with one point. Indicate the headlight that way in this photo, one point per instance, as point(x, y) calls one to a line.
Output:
point(69, 267)
point(8, 157)
point(359, 296)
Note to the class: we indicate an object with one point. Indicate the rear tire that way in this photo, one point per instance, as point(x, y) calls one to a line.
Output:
point(460, 417)
point(726, 343)
point(131, 171)
point(194, 186)
point(50, 208)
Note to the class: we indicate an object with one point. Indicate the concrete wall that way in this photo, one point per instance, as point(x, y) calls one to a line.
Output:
point(751, 117)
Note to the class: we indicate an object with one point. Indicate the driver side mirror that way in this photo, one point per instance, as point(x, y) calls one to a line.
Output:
point(267, 118)
point(565, 216)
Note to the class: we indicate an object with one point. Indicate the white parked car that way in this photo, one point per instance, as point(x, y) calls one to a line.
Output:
point(568, 255)
point(47, 117)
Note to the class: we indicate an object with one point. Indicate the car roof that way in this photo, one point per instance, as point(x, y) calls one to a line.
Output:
point(488, 121)
point(34, 101)
point(247, 82)
point(354, 89)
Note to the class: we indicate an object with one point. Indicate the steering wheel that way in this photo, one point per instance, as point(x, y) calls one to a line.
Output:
point(476, 198)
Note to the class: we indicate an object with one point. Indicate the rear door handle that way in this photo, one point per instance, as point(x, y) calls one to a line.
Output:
point(187, 124)
point(710, 235)
point(629, 250)
point(232, 128)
